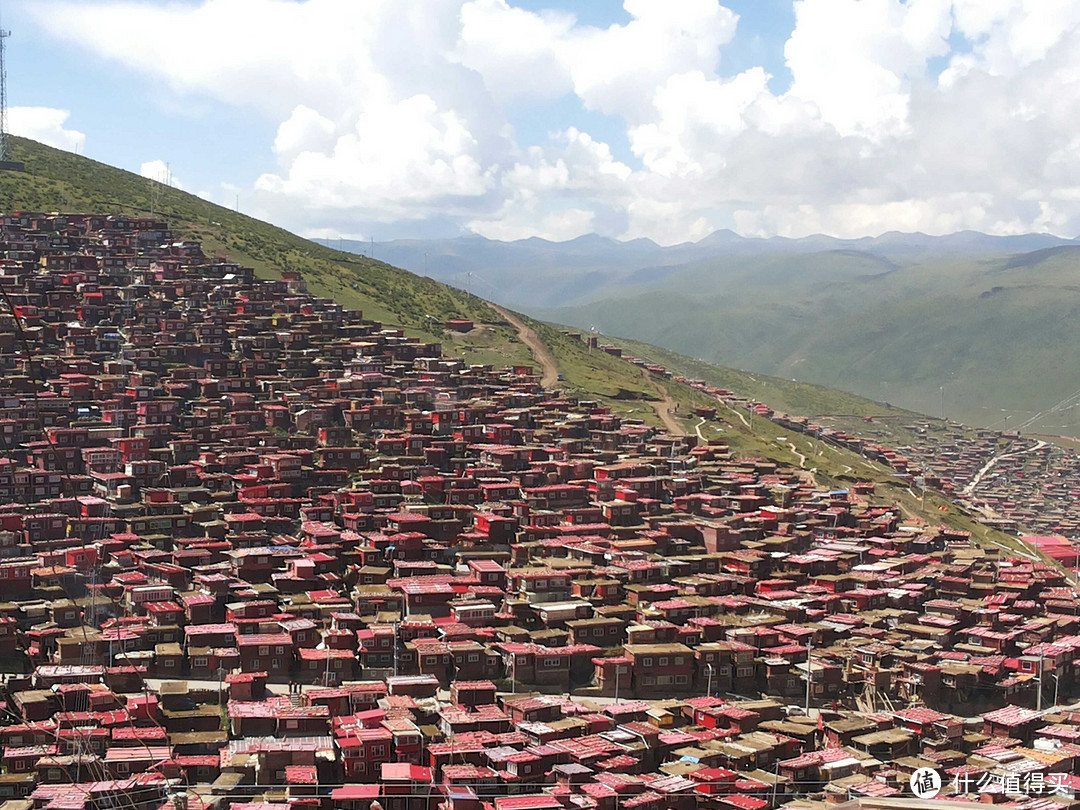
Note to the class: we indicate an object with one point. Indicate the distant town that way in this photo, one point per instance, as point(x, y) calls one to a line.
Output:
point(259, 551)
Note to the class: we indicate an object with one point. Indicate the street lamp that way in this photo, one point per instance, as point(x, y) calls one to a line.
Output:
point(709, 672)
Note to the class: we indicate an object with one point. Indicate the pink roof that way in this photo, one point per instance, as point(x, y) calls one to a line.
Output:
point(349, 793)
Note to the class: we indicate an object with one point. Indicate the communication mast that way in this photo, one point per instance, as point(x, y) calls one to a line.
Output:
point(6, 163)
point(4, 34)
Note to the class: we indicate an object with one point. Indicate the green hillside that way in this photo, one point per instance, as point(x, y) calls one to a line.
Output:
point(56, 180)
point(987, 340)
point(61, 181)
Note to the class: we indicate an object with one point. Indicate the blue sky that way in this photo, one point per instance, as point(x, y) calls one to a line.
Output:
point(512, 118)
point(188, 133)
point(127, 118)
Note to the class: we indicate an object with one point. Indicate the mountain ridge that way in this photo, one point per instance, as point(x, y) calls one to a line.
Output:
point(888, 241)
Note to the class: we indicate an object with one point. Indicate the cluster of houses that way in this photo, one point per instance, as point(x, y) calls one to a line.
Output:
point(1023, 486)
point(259, 552)
point(1020, 485)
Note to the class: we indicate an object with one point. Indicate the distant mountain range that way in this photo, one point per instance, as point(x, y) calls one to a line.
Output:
point(451, 259)
point(980, 326)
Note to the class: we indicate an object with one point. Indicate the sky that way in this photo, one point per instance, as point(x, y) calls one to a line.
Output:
point(664, 119)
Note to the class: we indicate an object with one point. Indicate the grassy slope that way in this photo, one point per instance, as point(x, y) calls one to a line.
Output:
point(995, 332)
point(57, 180)
point(61, 181)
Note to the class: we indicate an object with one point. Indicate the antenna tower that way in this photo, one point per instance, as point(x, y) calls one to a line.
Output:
point(4, 34)
point(6, 163)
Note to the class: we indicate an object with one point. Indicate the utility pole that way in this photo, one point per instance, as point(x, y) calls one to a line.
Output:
point(709, 672)
point(1038, 701)
point(618, 668)
point(809, 671)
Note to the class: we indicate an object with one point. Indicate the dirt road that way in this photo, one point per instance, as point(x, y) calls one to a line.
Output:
point(665, 408)
point(539, 351)
point(970, 488)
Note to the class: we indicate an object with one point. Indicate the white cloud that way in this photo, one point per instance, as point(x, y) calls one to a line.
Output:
point(853, 58)
point(697, 116)
point(303, 131)
point(396, 161)
point(413, 112)
point(160, 171)
point(1011, 34)
point(610, 68)
point(559, 192)
point(523, 54)
point(557, 226)
point(516, 51)
point(46, 125)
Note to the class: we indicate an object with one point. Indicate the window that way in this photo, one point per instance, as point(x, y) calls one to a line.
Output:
point(378, 751)
point(264, 650)
point(552, 663)
point(256, 663)
point(168, 663)
point(646, 662)
point(474, 657)
point(612, 630)
point(678, 660)
point(275, 663)
point(680, 679)
point(663, 661)
point(431, 660)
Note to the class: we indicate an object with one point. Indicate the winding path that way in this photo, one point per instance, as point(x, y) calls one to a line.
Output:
point(665, 407)
point(970, 488)
point(539, 349)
